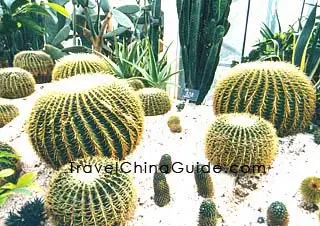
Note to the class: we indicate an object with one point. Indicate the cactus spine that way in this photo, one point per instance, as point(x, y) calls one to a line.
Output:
point(165, 164)
point(310, 189)
point(98, 198)
point(208, 214)
point(7, 113)
point(203, 181)
point(161, 189)
point(38, 63)
point(202, 26)
point(277, 214)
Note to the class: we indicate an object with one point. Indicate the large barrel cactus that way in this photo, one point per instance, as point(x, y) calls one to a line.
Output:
point(239, 140)
point(80, 63)
point(7, 113)
point(276, 91)
point(96, 198)
point(38, 63)
point(9, 160)
point(277, 214)
point(16, 83)
point(155, 101)
point(87, 115)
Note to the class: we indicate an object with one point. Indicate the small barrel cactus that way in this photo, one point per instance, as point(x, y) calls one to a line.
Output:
point(165, 164)
point(174, 124)
point(161, 189)
point(7, 113)
point(277, 214)
point(82, 194)
point(208, 214)
point(276, 91)
point(80, 63)
point(155, 101)
point(16, 83)
point(38, 63)
point(203, 181)
point(239, 140)
point(9, 160)
point(310, 189)
point(136, 84)
point(86, 116)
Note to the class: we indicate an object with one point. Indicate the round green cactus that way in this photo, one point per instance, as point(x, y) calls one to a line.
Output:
point(203, 181)
point(155, 101)
point(87, 196)
point(80, 63)
point(136, 84)
point(165, 164)
point(277, 214)
point(276, 91)
point(38, 63)
point(208, 214)
point(174, 124)
point(7, 113)
point(16, 83)
point(9, 160)
point(86, 115)
point(310, 189)
point(239, 140)
point(161, 189)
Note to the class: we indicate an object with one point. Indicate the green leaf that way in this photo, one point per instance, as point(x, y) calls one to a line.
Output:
point(6, 173)
point(117, 32)
point(18, 3)
point(122, 19)
point(8, 186)
point(31, 8)
point(59, 9)
point(22, 190)
point(105, 6)
point(29, 22)
point(129, 9)
point(8, 155)
point(62, 35)
point(3, 198)
point(26, 180)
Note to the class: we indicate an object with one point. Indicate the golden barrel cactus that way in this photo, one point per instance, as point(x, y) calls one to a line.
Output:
point(79, 63)
point(239, 140)
point(276, 91)
point(86, 196)
point(86, 115)
point(7, 113)
point(38, 63)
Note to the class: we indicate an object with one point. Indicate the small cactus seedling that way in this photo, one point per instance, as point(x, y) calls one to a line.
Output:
point(203, 181)
point(174, 124)
point(165, 164)
point(161, 189)
point(208, 214)
point(277, 214)
point(310, 189)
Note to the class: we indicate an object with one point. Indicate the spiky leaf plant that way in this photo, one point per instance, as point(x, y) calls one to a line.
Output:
point(82, 197)
point(165, 164)
point(16, 83)
point(7, 113)
point(9, 160)
point(32, 213)
point(86, 115)
point(174, 124)
point(277, 214)
point(38, 63)
point(203, 181)
point(240, 139)
point(310, 189)
point(136, 84)
point(155, 101)
point(79, 63)
point(161, 189)
point(208, 214)
point(276, 91)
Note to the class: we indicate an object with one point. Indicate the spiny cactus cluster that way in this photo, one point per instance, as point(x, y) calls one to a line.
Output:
point(276, 91)
point(241, 139)
point(165, 164)
point(80, 63)
point(100, 115)
point(32, 213)
point(96, 198)
point(277, 214)
point(136, 84)
point(208, 214)
point(16, 83)
point(7, 113)
point(161, 189)
point(174, 124)
point(155, 101)
point(310, 189)
point(203, 181)
point(9, 162)
point(38, 63)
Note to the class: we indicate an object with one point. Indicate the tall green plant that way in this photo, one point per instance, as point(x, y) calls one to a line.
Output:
point(202, 26)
